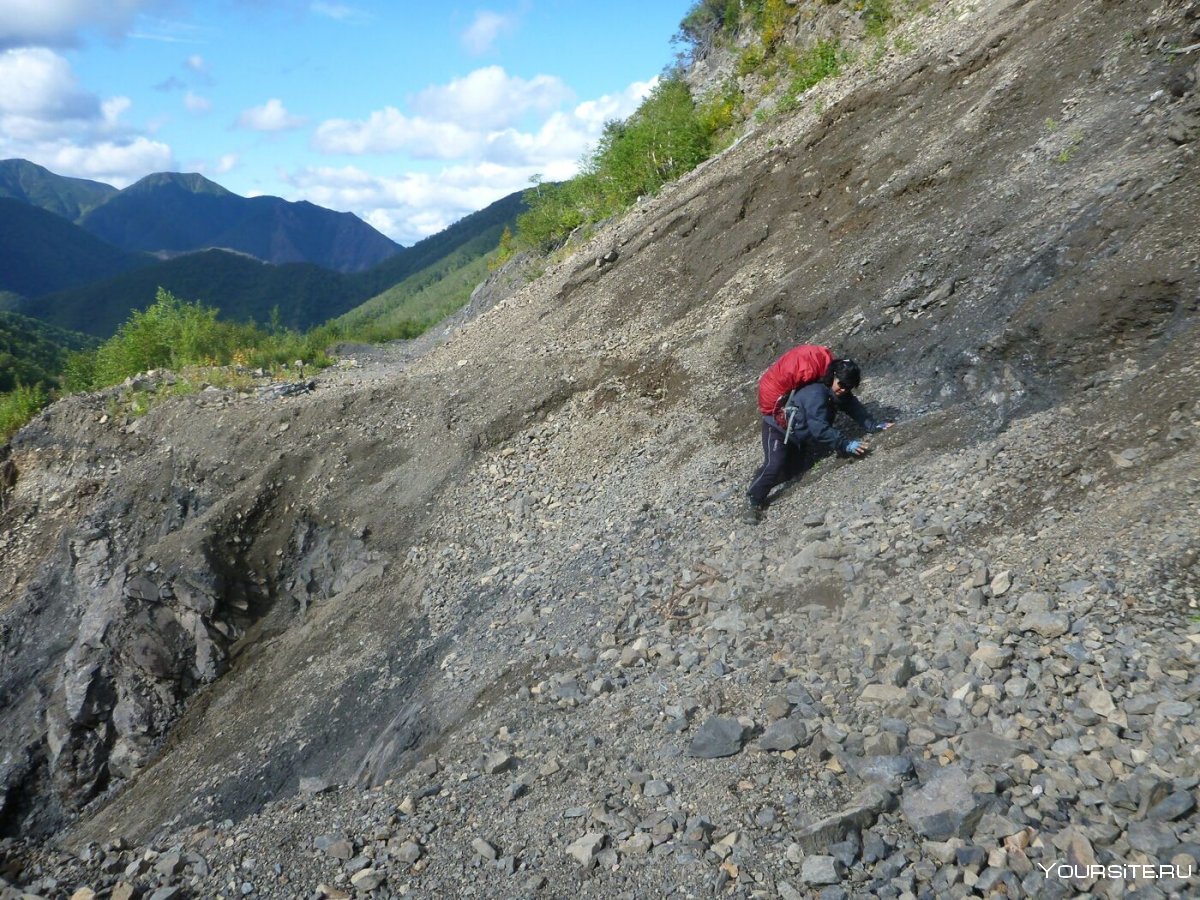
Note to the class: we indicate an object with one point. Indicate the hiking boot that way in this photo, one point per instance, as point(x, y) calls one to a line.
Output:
point(752, 511)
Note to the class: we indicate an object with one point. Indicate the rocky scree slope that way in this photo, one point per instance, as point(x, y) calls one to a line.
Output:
point(483, 621)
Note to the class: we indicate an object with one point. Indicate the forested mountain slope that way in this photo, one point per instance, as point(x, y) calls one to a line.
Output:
point(485, 621)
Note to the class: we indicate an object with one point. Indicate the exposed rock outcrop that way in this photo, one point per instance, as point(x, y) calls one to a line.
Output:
point(462, 620)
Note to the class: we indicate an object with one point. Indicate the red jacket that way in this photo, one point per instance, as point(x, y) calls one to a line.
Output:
point(799, 366)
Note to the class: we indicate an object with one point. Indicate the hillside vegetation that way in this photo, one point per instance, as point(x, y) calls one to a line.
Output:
point(480, 617)
point(41, 253)
point(759, 58)
point(218, 309)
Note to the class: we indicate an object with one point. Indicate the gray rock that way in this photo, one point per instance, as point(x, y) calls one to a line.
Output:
point(889, 771)
point(859, 815)
point(586, 849)
point(717, 737)
point(485, 849)
point(656, 788)
point(1174, 709)
point(783, 734)
point(409, 852)
point(1155, 839)
point(992, 655)
point(822, 870)
point(1047, 624)
point(495, 763)
point(1175, 806)
point(943, 807)
point(983, 746)
point(367, 879)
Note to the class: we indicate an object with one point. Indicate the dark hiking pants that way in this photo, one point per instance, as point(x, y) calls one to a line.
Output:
point(781, 462)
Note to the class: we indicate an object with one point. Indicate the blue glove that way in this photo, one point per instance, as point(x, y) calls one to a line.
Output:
point(852, 447)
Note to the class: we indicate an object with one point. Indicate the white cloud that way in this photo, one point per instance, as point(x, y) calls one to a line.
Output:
point(57, 23)
point(389, 131)
point(112, 109)
point(196, 63)
point(197, 104)
point(38, 83)
point(594, 113)
point(411, 206)
point(453, 121)
point(491, 98)
point(271, 116)
point(484, 31)
point(340, 12)
point(487, 164)
point(46, 117)
point(116, 163)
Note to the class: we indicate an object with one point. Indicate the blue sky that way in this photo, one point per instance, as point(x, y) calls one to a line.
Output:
point(408, 114)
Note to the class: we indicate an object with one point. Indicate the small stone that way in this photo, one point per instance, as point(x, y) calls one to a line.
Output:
point(656, 788)
point(637, 844)
point(1176, 806)
point(313, 785)
point(716, 738)
point(495, 763)
point(409, 852)
point(586, 849)
point(884, 693)
point(943, 807)
point(367, 879)
point(783, 734)
point(1001, 583)
point(485, 849)
point(992, 655)
point(821, 870)
point(1047, 624)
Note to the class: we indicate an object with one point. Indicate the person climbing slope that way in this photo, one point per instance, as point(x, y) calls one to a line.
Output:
point(799, 401)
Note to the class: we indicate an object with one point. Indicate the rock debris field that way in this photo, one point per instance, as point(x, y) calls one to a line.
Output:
point(483, 620)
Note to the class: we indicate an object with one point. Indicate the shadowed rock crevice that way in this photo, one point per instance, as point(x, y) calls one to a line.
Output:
point(457, 615)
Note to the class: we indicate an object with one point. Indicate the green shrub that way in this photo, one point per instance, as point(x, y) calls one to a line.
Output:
point(750, 60)
point(878, 16)
point(772, 19)
point(175, 334)
point(721, 111)
point(18, 406)
point(168, 335)
point(663, 140)
point(553, 212)
point(707, 23)
point(822, 60)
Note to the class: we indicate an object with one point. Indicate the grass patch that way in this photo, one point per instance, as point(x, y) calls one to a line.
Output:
point(822, 60)
point(18, 406)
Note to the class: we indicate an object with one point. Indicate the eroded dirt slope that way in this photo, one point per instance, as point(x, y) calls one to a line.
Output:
point(524, 541)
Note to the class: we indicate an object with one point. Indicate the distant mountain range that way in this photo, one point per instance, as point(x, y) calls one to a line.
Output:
point(241, 287)
point(82, 255)
point(170, 213)
point(41, 252)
